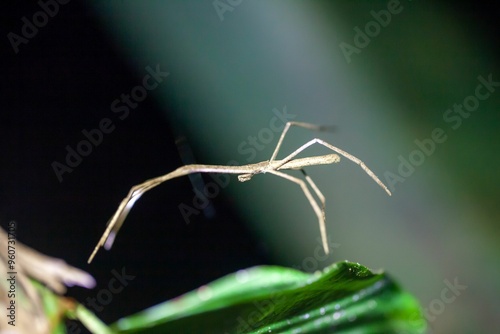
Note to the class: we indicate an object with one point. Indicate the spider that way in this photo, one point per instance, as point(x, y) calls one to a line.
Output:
point(245, 173)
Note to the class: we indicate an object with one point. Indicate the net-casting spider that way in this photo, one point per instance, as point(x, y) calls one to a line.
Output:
point(246, 172)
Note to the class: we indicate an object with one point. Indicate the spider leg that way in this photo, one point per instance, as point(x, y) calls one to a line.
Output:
point(137, 191)
point(321, 197)
point(320, 212)
point(287, 127)
point(116, 221)
point(339, 151)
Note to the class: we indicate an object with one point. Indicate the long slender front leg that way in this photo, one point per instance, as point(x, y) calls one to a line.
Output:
point(319, 212)
point(116, 221)
point(137, 191)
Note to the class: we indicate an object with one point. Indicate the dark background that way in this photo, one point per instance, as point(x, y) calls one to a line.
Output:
point(62, 82)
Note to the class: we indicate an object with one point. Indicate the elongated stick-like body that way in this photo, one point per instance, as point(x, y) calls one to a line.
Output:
point(245, 173)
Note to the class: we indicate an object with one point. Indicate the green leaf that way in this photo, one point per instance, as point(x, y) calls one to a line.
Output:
point(51, 307)
point(58, 308)
point(89, 320)
point(344, 298)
